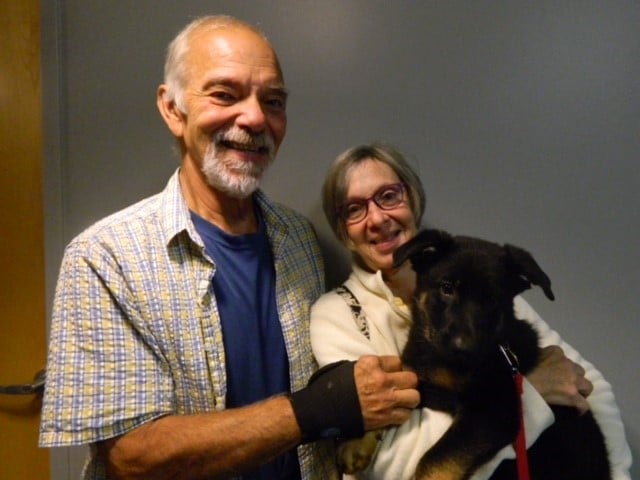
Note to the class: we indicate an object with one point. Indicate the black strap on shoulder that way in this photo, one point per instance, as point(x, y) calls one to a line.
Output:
point(356, 309)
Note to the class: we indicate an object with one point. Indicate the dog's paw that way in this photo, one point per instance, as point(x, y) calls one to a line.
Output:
point(355, 455)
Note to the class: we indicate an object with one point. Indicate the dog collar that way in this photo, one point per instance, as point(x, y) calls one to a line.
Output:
point(511, 358)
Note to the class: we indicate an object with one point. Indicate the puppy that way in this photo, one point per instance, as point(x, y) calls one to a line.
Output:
point(463, 344)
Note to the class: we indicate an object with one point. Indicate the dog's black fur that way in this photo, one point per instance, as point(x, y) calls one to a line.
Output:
point(462, 312)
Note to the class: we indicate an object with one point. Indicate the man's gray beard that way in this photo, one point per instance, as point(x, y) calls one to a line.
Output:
point(234, 177)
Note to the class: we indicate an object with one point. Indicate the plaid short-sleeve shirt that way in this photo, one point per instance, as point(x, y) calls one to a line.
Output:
point(135, 332)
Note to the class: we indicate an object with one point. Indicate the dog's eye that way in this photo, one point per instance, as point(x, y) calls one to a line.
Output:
point(447, 288)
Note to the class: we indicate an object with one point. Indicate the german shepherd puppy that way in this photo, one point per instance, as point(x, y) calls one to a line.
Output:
point(463, 330)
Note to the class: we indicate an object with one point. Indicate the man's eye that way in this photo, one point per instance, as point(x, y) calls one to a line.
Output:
point(276, 103)
point(222, 96)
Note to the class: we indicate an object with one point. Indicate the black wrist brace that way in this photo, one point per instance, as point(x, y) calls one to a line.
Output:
point(329, 406)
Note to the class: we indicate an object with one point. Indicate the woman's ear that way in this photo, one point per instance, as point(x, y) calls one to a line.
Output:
point(170, 112)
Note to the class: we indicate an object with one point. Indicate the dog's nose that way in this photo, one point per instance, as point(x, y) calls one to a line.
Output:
point(461, 343)
point(459, 340)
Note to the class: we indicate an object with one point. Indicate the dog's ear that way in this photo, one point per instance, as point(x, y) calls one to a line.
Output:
point(526, 271)
point(424, 249)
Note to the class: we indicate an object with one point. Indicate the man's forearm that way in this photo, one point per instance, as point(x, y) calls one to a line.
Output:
point(209, 445)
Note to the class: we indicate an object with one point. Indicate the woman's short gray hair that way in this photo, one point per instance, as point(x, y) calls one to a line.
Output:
point(334, 190)
point(175, 69)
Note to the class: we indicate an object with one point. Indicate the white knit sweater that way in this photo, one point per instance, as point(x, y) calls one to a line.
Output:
point(335, 336)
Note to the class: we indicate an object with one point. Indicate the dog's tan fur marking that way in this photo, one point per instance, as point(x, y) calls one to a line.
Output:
point(355, 454)
point(443, 378)
point(422, 300)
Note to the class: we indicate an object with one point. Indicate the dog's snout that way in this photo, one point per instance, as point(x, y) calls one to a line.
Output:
point(458, 337)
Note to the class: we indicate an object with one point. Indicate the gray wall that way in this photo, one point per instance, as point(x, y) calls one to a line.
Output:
point(521, 117)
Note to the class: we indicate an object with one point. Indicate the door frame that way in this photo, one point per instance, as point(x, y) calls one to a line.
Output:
point(65, 463)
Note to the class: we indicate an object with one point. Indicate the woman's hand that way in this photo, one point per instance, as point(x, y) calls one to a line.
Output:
point(560, 381)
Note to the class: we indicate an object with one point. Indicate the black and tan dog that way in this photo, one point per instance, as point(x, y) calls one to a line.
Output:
point(463, 345)
point(464, 330)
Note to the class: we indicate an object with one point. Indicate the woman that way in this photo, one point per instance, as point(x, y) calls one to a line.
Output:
point(374, 203)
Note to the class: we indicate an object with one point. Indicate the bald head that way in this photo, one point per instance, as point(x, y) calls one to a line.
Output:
point(176, 64)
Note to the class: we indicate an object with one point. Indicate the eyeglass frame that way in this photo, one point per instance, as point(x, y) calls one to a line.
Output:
point(399, 187)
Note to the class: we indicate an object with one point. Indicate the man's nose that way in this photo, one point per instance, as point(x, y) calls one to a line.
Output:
point(252, 116)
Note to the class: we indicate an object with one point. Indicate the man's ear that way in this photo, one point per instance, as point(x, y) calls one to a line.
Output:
point(170, 112)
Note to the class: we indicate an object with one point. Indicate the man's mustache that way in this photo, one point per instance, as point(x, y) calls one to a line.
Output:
point(242, 140)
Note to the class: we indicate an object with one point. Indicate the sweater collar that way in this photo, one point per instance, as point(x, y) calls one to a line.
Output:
point(373, 282)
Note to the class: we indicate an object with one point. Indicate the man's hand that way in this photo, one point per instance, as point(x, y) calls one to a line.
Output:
point(560, 381)
point(387, 393)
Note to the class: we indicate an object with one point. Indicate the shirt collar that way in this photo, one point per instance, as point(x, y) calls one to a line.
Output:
point(374, 283)
point(176, 219)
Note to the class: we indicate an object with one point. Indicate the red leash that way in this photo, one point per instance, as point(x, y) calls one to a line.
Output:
point(520, 444)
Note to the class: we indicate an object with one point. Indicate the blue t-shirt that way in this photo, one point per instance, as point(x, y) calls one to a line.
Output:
point(256, 356)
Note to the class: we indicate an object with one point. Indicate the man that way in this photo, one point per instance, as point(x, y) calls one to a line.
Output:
point(180, 324)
